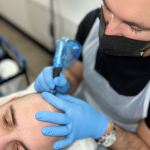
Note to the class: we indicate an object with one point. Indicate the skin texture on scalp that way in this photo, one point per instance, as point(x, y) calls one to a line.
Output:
point(28, 129)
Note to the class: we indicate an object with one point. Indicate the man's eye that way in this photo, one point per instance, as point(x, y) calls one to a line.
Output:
point(7, 122)
point(16, 146)
point(19, 146)
point(136, 31)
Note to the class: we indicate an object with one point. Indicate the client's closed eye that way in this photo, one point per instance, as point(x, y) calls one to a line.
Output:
point(7, 122)
point(18, 146)
point(9, 119)
point(10, 122)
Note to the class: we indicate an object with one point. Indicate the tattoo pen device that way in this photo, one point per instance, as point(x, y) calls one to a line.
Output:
point(67, 52)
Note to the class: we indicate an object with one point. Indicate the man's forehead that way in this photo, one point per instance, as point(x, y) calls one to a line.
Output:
point(131, 9)
point(131, 4)
point(131, 1)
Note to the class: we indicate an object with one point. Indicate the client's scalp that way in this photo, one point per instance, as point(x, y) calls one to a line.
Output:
point(36, 97)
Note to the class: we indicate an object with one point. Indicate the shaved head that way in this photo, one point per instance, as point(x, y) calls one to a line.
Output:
point(19, 127)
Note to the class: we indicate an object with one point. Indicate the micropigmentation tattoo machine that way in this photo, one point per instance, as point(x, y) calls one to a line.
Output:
point(67, 52)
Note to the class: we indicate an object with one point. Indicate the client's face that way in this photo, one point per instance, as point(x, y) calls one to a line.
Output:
point(19, 130)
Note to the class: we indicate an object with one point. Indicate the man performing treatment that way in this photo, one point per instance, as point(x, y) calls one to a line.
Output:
point(114, 72)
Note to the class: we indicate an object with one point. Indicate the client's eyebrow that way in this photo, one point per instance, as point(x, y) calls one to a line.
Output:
point(130, 23)
point(14, 120)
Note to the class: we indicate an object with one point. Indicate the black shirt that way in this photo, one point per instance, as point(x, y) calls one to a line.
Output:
point(83, 31)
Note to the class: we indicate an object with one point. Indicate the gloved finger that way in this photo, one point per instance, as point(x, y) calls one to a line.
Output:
point(57, 118)
point(55, 101)
point(60, 81)
point(68, 98)
point(48, 77)
point(56, 131)
point(37, 86)
point(42, 83)
point(63, 143)
point(63, 90)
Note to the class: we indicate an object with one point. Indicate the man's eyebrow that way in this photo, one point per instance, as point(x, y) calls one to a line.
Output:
point(15, 124)
point(106, 6)
point(139, 25)
point(14, 120)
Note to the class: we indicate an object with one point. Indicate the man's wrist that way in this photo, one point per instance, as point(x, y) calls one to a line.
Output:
point(109, 137)
point(108, 130)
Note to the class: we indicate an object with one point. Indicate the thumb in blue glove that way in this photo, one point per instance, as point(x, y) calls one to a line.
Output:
point(45, 82)
point(79, 121)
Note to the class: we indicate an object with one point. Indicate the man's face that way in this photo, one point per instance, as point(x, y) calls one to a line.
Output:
point(128, 18)
point(19, 128)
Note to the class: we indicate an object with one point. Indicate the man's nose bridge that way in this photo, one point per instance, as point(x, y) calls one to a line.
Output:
point(112, 28)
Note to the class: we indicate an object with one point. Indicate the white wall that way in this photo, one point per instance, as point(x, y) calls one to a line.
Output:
point(16, 12)
point(33, 16)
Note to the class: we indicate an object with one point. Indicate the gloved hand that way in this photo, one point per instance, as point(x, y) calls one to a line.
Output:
point(45, 82)
point(79, 121)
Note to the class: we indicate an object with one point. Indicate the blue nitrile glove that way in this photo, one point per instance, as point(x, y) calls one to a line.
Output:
point(80, 120)
point(45, 82)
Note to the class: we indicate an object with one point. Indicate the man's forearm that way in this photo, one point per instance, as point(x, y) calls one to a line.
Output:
point(73, 81)
point(128, 141)
point(74, 76)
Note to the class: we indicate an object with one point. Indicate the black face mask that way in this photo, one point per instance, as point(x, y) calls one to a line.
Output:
point(118, 45)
